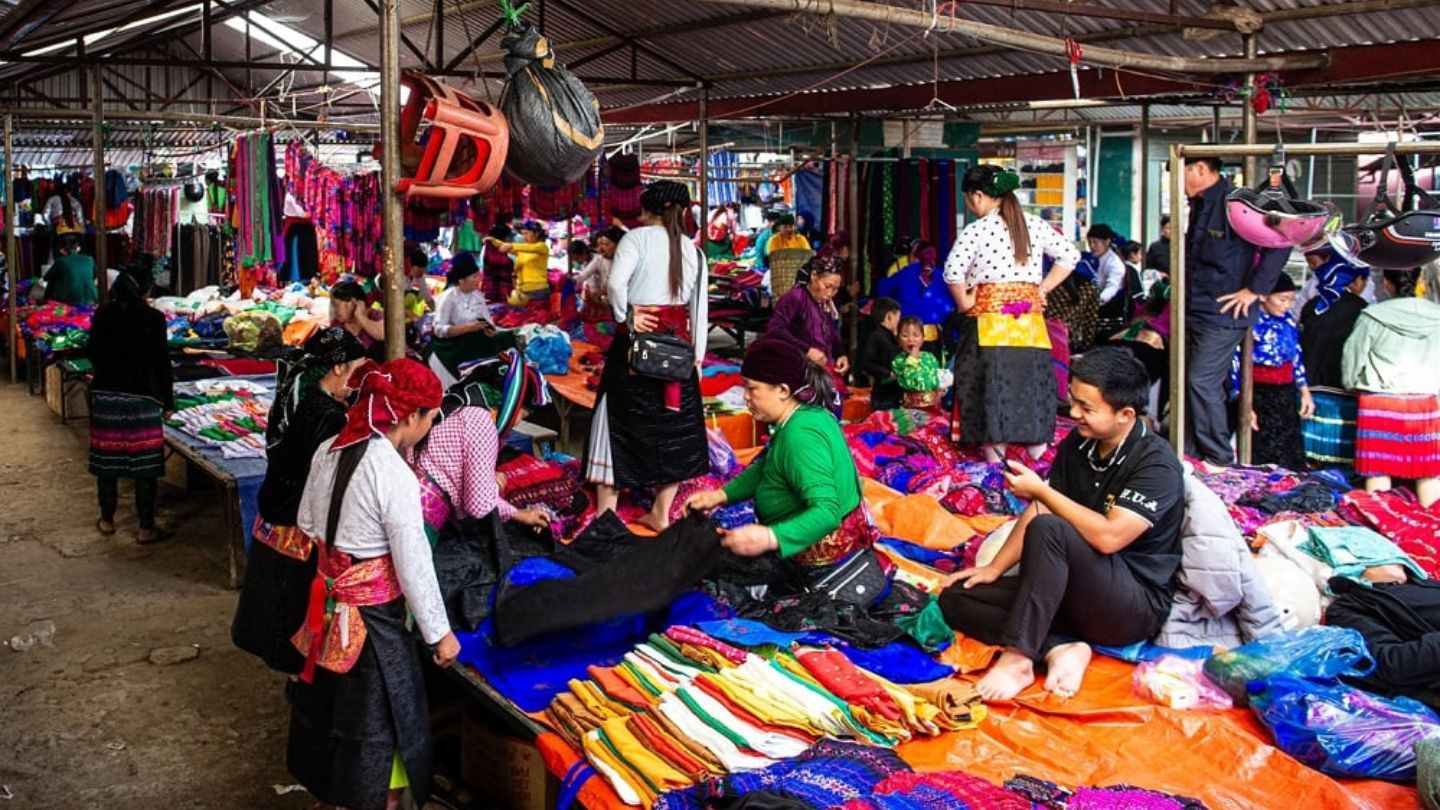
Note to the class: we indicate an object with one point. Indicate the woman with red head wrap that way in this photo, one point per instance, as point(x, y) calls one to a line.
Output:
point(360, 726)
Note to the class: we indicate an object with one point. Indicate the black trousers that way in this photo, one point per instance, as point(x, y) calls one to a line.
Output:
point(1065, 588)
point(144, 499)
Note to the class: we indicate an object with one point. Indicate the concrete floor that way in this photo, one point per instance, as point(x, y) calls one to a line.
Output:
point(90, 721)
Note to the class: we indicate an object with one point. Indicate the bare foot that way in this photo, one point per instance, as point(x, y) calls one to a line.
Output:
point(653, 523)
point(1010, 676)
point(1067, 664)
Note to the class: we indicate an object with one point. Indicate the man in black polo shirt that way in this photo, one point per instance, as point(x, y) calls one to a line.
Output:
point(1098, 546)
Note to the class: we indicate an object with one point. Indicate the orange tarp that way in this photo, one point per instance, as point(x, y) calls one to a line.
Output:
point(917, 518)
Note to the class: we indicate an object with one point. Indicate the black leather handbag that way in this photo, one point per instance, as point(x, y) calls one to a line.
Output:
point(859, 580)
point(662, 356)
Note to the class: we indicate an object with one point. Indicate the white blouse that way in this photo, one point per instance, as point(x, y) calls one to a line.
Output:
point(457, 308)
point(984, 254)
point(640, 276)
point(596, 275)
point(380, 515)
point(1109, 276)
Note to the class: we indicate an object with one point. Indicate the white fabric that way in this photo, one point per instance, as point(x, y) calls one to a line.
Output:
point(596, 275)
point(758, 676)
point(1110, 276)
point(984, 254)
point(380, 515)
point(600, 464)
point(768, 743)
point(55, 211)
point(457, 308)
point(713, 741)
point(622, 788)
point(640, 277)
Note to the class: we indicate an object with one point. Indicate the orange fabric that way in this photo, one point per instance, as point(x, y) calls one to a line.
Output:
point(739, 429)
point(856, 406)
point(984, 524)
point(298, 331)
point(922, 520)
point(596, 793)
point(1107, 734)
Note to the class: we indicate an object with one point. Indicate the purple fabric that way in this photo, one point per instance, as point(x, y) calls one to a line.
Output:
point(800, 321)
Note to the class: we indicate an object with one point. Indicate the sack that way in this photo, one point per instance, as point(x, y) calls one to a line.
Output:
point(859, 580)
point(555, 129)
point(1321, 652)
point(662, 357)
point(1343, 731)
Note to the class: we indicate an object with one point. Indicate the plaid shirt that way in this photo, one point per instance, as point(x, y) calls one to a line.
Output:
point(460, 455)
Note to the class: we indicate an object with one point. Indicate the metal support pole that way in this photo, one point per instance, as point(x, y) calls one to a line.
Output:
point(12, 248)
point(390, 177)
point(1177, 299)
point(852, 229)
point(1144, 175)
point(1247, 346)
point(704, 169)
point(1216, 138)
point(102, 250)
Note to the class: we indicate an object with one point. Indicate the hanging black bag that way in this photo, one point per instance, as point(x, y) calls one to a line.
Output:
point(555, 129)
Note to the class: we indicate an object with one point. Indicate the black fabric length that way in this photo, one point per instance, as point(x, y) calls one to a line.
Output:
point(1401, 626)
point(647, 577)
point(272, 606)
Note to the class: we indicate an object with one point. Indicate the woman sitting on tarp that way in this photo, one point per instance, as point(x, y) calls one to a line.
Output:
point(805, 486)
point(309, 408)
point(464, 329)
point(131, 390)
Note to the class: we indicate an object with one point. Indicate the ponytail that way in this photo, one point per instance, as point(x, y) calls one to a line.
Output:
point(67, 210)
point(1014, 218)
point(819, 388)
point(1405, 282)
point(674, 223)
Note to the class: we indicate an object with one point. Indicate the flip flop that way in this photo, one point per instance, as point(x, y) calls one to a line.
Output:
point(104, 532)
point(158, 536)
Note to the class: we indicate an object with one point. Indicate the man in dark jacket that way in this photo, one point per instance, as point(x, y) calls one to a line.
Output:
point(1157, 256)
point(1224, 279)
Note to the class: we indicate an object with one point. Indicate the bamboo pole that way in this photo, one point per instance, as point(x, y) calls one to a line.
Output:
point(390, 178)
point(1027, 41)
point(1177, 298)
point(12, 250)
point(704, 197)
point(1244, 439)
point(852, 229)
point(97, 137)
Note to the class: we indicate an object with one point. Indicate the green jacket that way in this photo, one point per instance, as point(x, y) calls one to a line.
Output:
point(1394, 348)
point(71, 280)
point(804, 483)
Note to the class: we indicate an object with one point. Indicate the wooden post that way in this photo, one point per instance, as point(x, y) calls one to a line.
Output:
point(393, 262)
point(704, 197)
point(1247, 345)
point(1177, 299)
point(852, 229)
point(12, 251)
point(1144, 178)
point(102, 250)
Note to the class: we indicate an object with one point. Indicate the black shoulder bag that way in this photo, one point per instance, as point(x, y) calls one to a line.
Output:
point(663, 356)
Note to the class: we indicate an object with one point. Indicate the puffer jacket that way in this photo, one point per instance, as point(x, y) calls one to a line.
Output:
point(1393, 348)
point(1222, 599)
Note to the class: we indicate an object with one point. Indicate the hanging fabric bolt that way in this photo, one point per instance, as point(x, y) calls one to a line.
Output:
point(1074, 52)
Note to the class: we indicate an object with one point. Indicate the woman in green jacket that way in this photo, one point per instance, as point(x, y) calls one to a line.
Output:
point(805, 485)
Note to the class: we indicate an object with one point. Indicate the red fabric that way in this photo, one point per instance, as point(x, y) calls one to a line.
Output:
point(387, 395)
point(1396, 434)
point(241, 366)
point(1405, 522)
point(689, 635)
point(717, 384)
point(1274, 375)
point(835, 672)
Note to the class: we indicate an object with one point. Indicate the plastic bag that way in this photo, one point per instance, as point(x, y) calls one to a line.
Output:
point(547, 348)
point(1344, 731)
point(555, 129)
point(256, 330)
point(1316, 652)
point(1179, 683)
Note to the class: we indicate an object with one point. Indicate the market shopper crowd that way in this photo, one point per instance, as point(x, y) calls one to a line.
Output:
point(371, 465)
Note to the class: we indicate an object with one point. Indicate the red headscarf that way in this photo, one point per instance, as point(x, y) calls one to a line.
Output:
point(387, 395)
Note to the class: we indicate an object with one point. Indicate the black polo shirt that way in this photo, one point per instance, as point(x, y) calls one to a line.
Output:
point(1143, 476)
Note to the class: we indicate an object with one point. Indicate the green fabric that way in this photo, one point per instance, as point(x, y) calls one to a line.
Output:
point(916, 373)
point(1393, 347)
point(615, 752)
point(642, 679)
point(928, 627)
point(1351, 549)
point(664, 646)
point(728, 733)
point(887, 198)
point(467, 240)
point(804, 484)
point(71, 280)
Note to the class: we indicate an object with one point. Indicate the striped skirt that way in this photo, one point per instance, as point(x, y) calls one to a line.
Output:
point(1398, 435)
point(1330, 433)
point(127, 436)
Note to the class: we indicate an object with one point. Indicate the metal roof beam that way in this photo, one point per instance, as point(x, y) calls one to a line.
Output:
point(1110, 13)
point(649, 51)
point(413, 48)
point(470, 48)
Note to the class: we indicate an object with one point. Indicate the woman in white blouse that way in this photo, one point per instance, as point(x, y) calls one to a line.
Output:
point(1004, 383)
point(595, 278)
point(464, 329)
point(648, 432)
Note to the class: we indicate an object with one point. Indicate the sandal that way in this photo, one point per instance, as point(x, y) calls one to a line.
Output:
point(156, 536)
point(104, 532)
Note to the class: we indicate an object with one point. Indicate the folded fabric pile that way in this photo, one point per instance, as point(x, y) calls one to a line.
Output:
point(555, 485)
point(56, 327)
point(684, 707)
point(232, 422)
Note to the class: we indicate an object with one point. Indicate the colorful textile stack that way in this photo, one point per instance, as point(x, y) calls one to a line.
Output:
point(528, 481)
point(233, 421)
point(57, 327)
point(686, 706)
point(346, 211)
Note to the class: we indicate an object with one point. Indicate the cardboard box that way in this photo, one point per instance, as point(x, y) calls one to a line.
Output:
point(507, 772)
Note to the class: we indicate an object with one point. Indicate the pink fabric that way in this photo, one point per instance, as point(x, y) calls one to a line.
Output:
point(689, 635)
point(460, 457)
point(1405, 522)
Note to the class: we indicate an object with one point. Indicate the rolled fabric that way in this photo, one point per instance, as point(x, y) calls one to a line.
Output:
point(952, 696)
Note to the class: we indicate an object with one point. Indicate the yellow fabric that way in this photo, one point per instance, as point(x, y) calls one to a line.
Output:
point(782, 241)
point(596, 702)
point(637, 757)
point(766, 709)
point(1023, 332)
point(596, 750)
point(399, 779)
point(532, 266)
point(705, 655)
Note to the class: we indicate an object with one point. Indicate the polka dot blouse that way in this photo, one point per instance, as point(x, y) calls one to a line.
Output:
point(984, 254)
